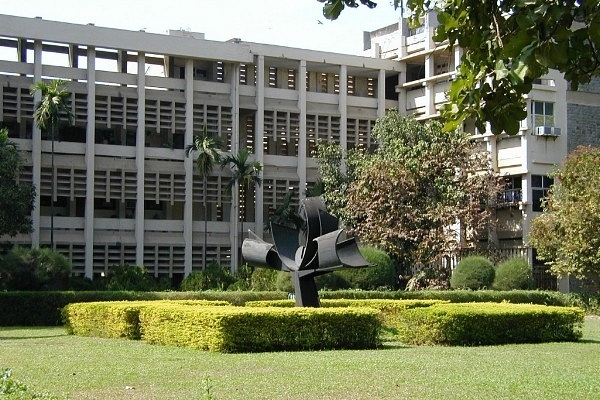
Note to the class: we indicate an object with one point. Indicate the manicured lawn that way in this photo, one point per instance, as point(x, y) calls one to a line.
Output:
point(48, 360)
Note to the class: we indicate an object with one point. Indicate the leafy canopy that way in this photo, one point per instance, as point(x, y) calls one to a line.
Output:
point(507, 45)
point(407, 196)
point(566, 234)
point(16, 198)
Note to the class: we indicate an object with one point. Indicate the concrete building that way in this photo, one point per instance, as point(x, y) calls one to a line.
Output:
point(125, 192)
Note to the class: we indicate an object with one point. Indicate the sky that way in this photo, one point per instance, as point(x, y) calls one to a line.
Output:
point(292, 23)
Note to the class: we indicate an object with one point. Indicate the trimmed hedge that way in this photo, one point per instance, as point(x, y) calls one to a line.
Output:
point(489, 324)
point(227, 328)
point(548, 298)
point(249, 329)
point(43, 308)
point(390, 310)
point(116, 319)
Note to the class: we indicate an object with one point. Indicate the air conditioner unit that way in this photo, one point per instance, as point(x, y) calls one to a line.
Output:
point(547, 131)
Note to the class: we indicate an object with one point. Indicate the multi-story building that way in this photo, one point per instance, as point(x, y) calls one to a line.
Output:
point(558, 120)
point(125, 191)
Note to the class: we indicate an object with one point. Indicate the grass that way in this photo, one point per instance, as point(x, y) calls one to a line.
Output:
point(70, 367)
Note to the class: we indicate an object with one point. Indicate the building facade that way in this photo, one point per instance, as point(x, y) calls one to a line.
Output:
point(125, 192)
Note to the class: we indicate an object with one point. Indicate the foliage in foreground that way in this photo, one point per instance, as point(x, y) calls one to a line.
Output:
point(12, 389)
point(566, 234)
point(507, 45)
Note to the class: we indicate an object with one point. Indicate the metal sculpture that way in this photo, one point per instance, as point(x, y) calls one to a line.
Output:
point(317, 248)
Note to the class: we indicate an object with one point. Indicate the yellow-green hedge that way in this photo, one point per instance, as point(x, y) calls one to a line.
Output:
point(200, 325)
point(254, 329)
point(474, 324)
point(391, 310)
point(119, 319)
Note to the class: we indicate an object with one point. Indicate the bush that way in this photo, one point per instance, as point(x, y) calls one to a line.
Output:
point(263, 279)
point(473, 273)
point(132, 277)
point(214, 277)
point(476, 324)
point(381, 276)
point(513, 274)
point(243, 279)
point(34, 269)
point(202, 325)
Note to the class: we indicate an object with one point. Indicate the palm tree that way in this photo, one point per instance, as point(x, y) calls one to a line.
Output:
point(52, 108)
point(207, 148)
point(244, 173)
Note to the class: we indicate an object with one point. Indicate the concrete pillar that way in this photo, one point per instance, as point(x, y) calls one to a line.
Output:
point(90, 145)
point(259, 150)
point(343, 107)
point(236, 224)
point(140, 154)
point(381, 93)
point(36, 148)
point(303, 135)
point(188, 164)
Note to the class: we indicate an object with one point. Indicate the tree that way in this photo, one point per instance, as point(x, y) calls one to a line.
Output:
point(507, 45)
point(411, 195)
point(16, 198)
point(245, 173)
point(207, 148)
point(285, 214)
point(566, 234)
point(50, 111)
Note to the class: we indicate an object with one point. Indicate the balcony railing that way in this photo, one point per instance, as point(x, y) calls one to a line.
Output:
point(510, 197)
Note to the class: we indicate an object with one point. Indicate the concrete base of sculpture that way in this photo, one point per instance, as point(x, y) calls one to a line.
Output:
point(317, 249)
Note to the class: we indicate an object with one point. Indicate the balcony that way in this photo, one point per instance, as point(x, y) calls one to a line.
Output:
point(510, 197)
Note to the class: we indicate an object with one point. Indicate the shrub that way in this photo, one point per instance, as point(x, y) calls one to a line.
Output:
point(474, 324)
point(34, 269)
point(472, 273)
point(214, 277)
point(381, 276)
point(513, 274)
point(263, 279)
point(332, 281)
point(283, 282)
point(243, 279)
point(132, 277)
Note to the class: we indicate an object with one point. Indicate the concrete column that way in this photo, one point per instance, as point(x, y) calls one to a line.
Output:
point(236, 224)
point(302, 148)
point(381, 93)
point(259, 150)
point(88, 230)
point(343, 107)
point(36, 148)
point(140, 154)
point(188, 164)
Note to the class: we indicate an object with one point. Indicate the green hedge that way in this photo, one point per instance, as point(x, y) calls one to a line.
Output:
point(43, 308)
point(390, 310)
point(117, 319)
point(489, 324)
point(548, 298)
point(227, 328)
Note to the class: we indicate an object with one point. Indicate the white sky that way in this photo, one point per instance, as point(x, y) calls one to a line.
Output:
point(293, 23)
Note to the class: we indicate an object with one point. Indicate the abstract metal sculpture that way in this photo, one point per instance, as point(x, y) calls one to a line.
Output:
point(317, 248)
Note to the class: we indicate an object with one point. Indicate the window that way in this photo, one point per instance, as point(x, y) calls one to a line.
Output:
point(540, 184)
point(543, 113)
